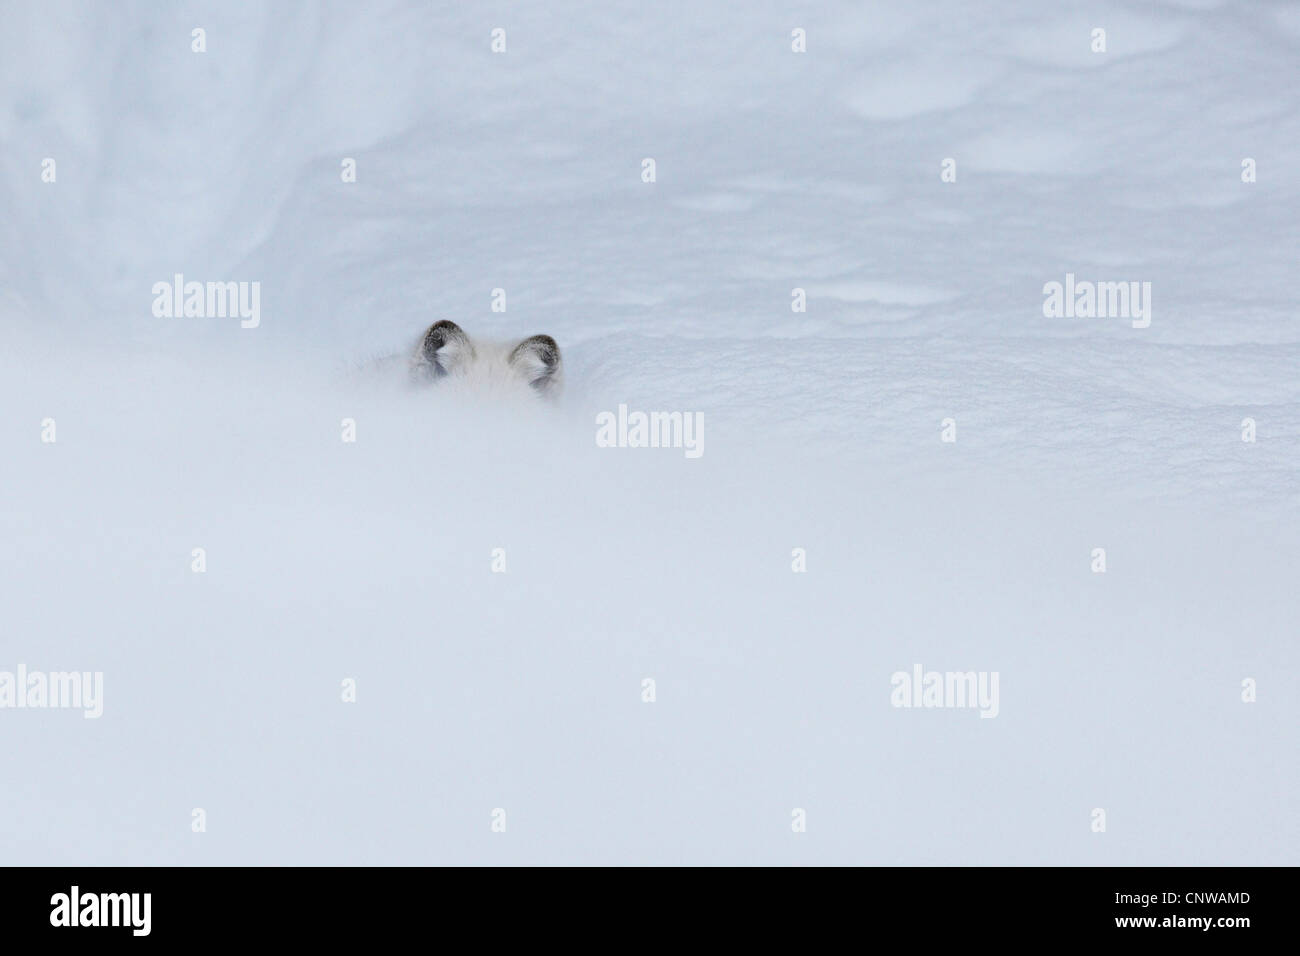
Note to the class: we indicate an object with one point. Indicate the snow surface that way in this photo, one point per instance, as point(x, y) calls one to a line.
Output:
point(371, 560)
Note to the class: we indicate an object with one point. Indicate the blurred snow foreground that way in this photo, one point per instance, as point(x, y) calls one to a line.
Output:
point(342, 620)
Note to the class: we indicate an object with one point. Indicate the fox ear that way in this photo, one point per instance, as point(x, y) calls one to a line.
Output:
point(444, 345)
point(538, 359)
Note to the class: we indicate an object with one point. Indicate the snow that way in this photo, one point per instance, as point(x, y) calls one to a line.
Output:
point(521, 171)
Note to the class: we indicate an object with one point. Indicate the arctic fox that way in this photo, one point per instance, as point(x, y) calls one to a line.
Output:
point(446, 356)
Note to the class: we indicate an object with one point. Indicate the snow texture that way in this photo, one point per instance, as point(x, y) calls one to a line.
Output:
point(775, 170)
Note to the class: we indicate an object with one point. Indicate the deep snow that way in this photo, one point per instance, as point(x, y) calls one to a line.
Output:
point(775, 170)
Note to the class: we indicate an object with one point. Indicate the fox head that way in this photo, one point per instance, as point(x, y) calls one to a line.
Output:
point(447, 356)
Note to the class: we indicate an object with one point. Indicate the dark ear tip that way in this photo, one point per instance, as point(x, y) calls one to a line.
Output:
point(437, 335)
point(545, 347)
point(442, 330)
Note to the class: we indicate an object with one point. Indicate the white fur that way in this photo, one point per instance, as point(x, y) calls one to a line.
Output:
point(484, 370)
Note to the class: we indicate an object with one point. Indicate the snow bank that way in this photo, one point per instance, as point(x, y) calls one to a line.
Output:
point(372, 561)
